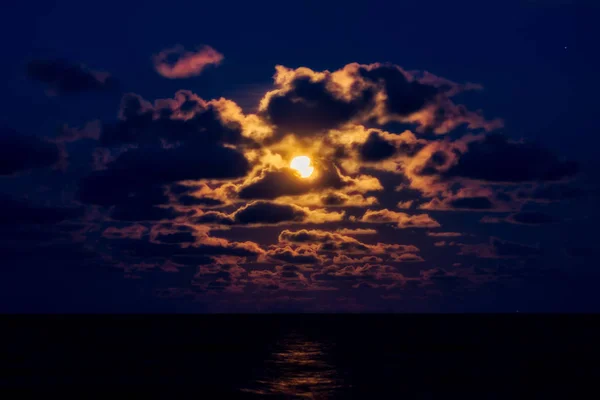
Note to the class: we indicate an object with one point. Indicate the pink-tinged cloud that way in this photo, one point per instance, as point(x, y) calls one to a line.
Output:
point(187, 63)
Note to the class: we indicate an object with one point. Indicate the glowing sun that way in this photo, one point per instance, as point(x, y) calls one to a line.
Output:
point(302, 164)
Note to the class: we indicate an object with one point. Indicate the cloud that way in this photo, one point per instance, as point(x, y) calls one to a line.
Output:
point(143, 212)
point(217, 278)
point(138, 169)
point(473, 203)
point(344, 259)
point(402, 220)
point(172, 172)
point(283, 277)
point(273, 183)
point(65, 78)
point(523, 218)
point(496, 159)
point(67, 134)
point(498, 248)
point(331, 242)
point(375, 148)
point(201, 194)
point(531, 218)
point(191, 200)
point(308, 102)
point(268, 213)
point(359, 231)
point(476, 199)
point(407, 257)
point(184, 118)
point(19, 152)
point(135, 231)
point(405, 205)
point(552, 193)
point(18, 212)
point(186, 63)
point(294, 256)
point(375, 274)
point(444, 234)
point(185, 252)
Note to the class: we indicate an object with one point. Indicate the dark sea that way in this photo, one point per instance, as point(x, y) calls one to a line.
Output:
point(308, 356)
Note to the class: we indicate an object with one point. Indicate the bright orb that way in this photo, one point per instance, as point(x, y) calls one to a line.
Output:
point(302, 165)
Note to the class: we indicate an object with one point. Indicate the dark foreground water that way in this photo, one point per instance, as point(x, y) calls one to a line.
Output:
point(314, 357)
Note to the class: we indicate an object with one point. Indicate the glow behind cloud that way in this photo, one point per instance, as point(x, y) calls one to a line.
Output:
point(302, 164)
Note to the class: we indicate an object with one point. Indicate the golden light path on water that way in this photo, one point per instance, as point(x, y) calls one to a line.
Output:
point(297, 368)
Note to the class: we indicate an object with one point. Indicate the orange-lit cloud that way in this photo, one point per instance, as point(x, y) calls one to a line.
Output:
point(402, 220)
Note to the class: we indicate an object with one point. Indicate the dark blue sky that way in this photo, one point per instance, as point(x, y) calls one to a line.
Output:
point(516, 49)
point(536, 60)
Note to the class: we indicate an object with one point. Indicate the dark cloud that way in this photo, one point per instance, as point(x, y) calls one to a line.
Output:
point(334, 199)
point(511, 249)
point(149, 167)
point(106, 189)
point(267, 213)
point(143, 212)
point(403, 96)
point(190, 200)
point(553, 192)
point(56, 253)
point(308, 103)
point(435, 161)
point(294, 256)
point(498, 248)
point(496, 159)
point(16, 212)
point(19, 152)
point(444, 234)
point(339, 246)
point(196, 134)
point(185, 118)
point(173, 238)
point(135, 231)
point(473, 203)
point(372, 274)
point(274, 183)
point(375, 148)
point(307, 107)
point(145, 249)
point(65, 78)
point(531, 218)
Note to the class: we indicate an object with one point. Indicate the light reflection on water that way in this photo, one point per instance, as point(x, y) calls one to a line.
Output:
point(297, 367)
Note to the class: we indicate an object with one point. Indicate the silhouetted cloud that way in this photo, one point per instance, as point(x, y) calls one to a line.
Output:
point(20, 152)
point(475, 203)
point(268, 213)
point(63, 77)
point(18, 212)
point(498, 248)
point(308, 102)
point(524, 218)
point(496, 159)
point(376, 148)
point(148, 167)
point(274, 183)
point(402, 220)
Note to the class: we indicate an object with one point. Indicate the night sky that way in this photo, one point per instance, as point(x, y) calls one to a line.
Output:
point(146, 156)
